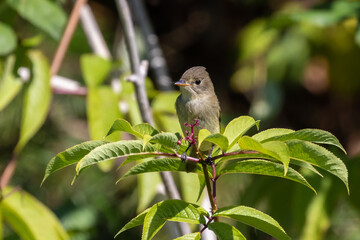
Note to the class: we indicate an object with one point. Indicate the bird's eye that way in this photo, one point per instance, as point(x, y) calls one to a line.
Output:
point(197, 82)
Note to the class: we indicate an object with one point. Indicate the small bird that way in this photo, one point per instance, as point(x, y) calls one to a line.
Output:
point(198, 101)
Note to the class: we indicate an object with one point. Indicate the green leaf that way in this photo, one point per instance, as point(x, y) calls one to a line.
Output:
point(311, 135)
point(9, 85)
point(238, 127)
point(166, 139)
point(317, 220)
point(254, 218)
point(148, 187)
point(272, 132)
point(8, 39)
point(241, 156)
point(70, 156)
point(190, 236)
point(262, 167)
point(165, 102)
point(36, 100)
point(306, 165)
point(172, 210)
point(203, 133)
point(282, 150)
point(224, 231)
point(98, 99)
point(159, 165)
point(248, 143)
point(124, 126)
point(136, 221)
point(216, 138)
point(112, 150)
point(141, 156)
point(191, 184)
point(29, 218)
point(145, 128)
point(44, 14)
point(320, 157)
point(95, 69)
point(146, 139)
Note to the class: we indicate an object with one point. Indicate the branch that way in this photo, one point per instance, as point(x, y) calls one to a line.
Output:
point(138, 75)
point(155, 53)
point(141, 96)
point(65, 40)
point(8, 172)
point(93, 33)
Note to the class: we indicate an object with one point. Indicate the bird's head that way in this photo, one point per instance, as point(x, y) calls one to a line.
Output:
point(195, 82)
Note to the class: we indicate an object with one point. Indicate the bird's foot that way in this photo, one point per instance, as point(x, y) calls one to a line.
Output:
point(209, 161)
point(184, 157)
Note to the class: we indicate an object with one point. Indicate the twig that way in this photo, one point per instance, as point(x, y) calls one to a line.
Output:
point(8, 172)
point(141, 96)
point(155, 53)
point(66, 86)
point(65, 40)
point(93, 33)
point(138, 75)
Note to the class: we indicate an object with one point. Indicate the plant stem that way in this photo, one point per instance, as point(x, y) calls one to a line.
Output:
point(154, 52)
point(65, 40)
point(208, 187)
point(8, 172)
point(138, 80)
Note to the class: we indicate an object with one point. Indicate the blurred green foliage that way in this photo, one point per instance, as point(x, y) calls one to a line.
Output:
point(296, 63)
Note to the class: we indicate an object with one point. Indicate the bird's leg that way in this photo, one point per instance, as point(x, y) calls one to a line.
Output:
point(209, 160)
point(184, 155)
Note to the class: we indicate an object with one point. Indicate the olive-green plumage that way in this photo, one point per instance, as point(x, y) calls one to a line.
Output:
point(198, 101)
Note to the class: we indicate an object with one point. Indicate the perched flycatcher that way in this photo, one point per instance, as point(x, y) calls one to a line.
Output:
point(198, 101)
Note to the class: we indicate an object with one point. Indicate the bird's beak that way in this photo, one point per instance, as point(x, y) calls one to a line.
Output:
point(182, 83)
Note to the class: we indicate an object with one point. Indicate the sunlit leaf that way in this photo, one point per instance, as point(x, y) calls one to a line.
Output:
point(165, 102)
point(172, 210)
point(166, 139)
point(8, 39)
point(254, 218)
point(190, 236)
point(136, 221)
point(320, 157)
point(9, 84)
point(248, 143)
point(148, 187)
point(263, 167)
point(238, 127)
point(145, 128)
point(282, 150)
point(216, 138)
point(95, 69)
point(124, 126)
point(100, 121)
point(70, 156)
point(36, 100)
point(225, 231)
point(44, 14)
point(311, 135)
point(112, 150)
point(191, 184)
point(272, 132)
point(29, 218)
point(159, 165)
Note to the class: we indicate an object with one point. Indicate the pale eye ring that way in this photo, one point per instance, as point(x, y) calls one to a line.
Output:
point(197, 82)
